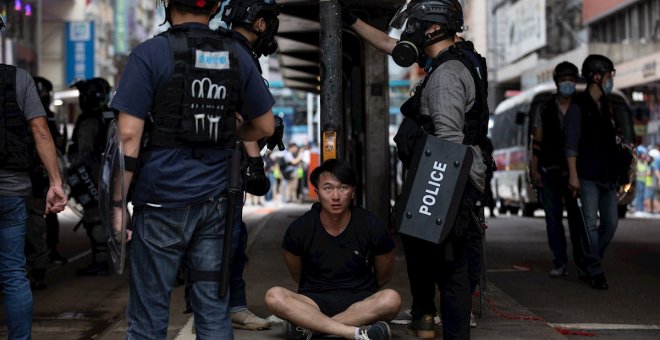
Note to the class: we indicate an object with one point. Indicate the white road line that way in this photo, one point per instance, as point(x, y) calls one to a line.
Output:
point(602, 326)
point(186, 332)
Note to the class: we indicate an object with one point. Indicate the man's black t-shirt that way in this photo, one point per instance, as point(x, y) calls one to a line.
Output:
point(342, 262)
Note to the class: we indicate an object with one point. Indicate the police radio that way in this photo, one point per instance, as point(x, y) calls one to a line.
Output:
point(433, 188)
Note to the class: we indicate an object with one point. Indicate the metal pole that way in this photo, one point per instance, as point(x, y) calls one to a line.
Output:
point(39, 36)
point(331, 80)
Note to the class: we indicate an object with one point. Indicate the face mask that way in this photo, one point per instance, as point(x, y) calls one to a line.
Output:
point(410, 48)
point(266, 43)
point(608, 86)
point(566, 88)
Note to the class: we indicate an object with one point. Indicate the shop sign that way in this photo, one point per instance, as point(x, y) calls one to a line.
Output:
point(648, 70)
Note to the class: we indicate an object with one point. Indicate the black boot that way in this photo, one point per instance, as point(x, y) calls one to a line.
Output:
point(101, 268)
point(38, 279)
point(55, 257)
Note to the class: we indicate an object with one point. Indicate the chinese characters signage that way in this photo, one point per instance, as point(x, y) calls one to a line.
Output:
point(79, 51)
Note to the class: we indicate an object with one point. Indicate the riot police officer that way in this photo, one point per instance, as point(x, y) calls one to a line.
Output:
point(192, 81)
point(254, 24)
point(591, 150)
point(452, 95)
point(84, 154)
point(23, 134)
point(45, 91)
point(42, 232)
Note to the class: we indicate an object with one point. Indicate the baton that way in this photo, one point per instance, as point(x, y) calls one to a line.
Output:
point(584, 222)
point(234, 194)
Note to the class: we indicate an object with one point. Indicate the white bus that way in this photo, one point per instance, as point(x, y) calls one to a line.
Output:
point(511, 134)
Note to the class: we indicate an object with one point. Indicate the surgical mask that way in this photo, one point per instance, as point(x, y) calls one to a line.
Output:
point(567, 88)
point(608, 86)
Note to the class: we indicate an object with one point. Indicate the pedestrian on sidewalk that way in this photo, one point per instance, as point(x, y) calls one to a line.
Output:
point(24, 134)
point(341, 256)
point(180, 192)
point(549, 170)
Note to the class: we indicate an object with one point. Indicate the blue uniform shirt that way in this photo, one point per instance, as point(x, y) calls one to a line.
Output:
point(172, 177)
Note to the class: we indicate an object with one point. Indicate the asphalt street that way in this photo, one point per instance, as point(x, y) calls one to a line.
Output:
point(521, 302)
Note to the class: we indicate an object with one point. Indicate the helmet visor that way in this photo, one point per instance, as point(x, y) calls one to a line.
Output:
point(419, 11)
point(400, 18)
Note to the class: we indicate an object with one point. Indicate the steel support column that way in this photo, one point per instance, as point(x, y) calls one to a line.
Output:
point(331, 73)
point(376, 164)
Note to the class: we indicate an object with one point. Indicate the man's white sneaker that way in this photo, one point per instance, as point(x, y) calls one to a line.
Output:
point(473, 320)
point(558, 271)
point(245, 319)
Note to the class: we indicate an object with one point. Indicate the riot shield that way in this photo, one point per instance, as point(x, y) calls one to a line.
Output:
point(112, 198)
point(433, 189)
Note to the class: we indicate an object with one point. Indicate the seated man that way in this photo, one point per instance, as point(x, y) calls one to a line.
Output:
point(340, 255)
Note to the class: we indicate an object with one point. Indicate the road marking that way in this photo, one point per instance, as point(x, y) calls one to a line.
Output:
point(186, 332)
point(602, 326)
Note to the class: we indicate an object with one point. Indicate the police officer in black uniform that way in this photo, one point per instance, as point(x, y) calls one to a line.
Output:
point(84, 154)
point(254, 24)
point(591, 153)
point(45, 91)
point(42, 232)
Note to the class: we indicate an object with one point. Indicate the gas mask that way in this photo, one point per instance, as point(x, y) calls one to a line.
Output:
point(410, 48)
point(266, 43)
point(567, 88)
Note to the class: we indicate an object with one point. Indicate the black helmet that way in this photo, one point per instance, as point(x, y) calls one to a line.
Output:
point(94, 93)
point(565, 68)
point(205, 4)
point(447, 12)
point(247, 11)
point(596, 64)
point(44, 89)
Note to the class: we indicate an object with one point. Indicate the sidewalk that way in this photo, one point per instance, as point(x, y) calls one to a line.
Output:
point(502, 318)
point(266, 227)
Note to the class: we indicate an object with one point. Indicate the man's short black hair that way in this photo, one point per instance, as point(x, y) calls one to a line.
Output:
point(342, 170)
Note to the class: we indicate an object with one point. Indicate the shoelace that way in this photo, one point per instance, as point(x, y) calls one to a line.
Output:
point(363, 335)
point(307, 333)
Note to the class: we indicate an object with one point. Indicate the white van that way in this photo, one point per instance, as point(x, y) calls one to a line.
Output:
point(511, 134)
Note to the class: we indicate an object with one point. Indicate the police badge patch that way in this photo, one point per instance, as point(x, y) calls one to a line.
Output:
point(212, 60)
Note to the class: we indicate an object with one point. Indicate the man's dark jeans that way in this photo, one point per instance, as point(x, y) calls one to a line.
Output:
point(554, 191)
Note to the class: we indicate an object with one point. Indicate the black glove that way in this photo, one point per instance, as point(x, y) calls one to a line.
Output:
point(347, 15)
point(256, 183)
point(276, 138)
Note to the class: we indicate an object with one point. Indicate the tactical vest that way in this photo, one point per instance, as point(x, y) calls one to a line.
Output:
point(17, 150)
point(597, 147)
point(552, 146)
point(196, 108)
point(476, 119)
point(102, 116)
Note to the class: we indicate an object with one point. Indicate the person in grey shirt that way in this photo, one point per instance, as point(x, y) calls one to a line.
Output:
point(452, 98)
point(23, 127)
